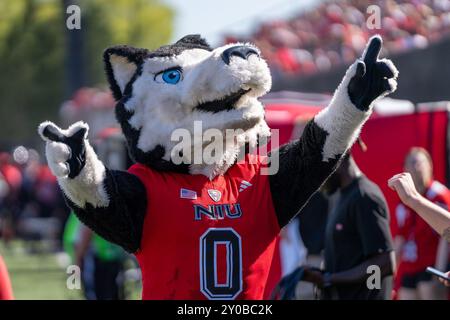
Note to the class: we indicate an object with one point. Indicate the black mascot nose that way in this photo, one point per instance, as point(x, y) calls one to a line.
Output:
point(240, 51)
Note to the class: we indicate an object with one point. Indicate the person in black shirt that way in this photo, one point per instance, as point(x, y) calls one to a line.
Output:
point(357, 238)
point(312, 223)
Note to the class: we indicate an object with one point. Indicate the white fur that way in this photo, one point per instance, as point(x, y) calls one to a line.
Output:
point(341, 119)
point(160, 108)
point(88, 186)
point(57, 155)
point(68, 132)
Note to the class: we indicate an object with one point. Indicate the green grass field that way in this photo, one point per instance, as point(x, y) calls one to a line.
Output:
point(42, 276)
point(37, 275)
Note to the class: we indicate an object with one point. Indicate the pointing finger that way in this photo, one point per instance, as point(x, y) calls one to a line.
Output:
point(372, 50)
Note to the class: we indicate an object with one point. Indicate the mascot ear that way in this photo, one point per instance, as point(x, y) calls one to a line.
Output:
point(121, 63)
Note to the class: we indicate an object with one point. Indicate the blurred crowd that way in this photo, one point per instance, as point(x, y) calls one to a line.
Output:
point(31, 204)
point(335, 32)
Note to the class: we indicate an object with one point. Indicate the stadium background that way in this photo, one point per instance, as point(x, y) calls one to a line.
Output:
point(50, 72)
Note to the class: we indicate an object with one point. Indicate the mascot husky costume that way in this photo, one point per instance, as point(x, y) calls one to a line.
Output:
point(200, 229)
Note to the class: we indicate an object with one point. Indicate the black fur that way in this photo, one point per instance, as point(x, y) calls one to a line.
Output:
point(123, 220)
point(193, 41)
point(301, 172)
point(242, 52)
point(371, 79)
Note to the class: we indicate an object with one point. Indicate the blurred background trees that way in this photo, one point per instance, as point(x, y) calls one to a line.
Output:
point(37, 53)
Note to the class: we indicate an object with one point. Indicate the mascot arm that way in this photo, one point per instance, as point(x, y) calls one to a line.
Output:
point(306, 163)
point(112, 203)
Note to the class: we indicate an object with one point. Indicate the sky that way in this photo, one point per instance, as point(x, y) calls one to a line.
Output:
point(213, 18)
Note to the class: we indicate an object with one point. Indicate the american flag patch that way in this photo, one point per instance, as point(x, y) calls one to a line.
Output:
point(188, 194)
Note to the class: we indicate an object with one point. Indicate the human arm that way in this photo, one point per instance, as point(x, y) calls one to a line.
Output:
point(437, 217)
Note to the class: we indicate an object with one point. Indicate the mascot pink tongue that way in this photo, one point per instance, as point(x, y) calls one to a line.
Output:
point(202, 229)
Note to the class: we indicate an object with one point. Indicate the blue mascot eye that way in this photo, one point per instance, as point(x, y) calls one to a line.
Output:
point(171, 76)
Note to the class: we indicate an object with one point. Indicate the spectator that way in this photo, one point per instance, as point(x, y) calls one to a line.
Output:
point(101, 262)
point(417, 244)
point(437, 217)
point(357, 236)
point(312, 222)
point(42, 207)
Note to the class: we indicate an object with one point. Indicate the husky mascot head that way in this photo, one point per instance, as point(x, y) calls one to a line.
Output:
point(182, 85)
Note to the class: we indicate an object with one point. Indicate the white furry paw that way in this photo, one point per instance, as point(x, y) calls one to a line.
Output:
point(73, 161)
point(65, 149)
point(57, 154)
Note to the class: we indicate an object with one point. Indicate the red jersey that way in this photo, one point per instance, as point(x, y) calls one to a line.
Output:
point(207, 239)
point(421, 241)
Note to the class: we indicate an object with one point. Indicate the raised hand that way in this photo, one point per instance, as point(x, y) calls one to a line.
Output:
point(65, 149)
point(373, 77)
point(403, 184)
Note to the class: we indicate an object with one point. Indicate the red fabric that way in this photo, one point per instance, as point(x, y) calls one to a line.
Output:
point(415, 230)
point(6, 292)
point(12, 176)
point(171, 243)
point(388, 140)
point(287, 60)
